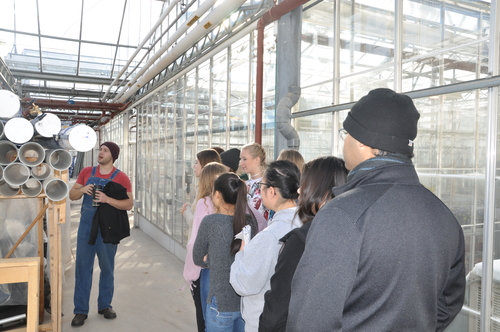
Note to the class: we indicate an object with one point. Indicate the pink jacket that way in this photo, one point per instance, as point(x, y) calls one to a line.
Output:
point(204, 207)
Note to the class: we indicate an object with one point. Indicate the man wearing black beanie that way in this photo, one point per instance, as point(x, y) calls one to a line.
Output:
point(86, 250)
point(385, 254)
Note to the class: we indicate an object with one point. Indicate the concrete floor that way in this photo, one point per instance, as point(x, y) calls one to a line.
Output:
point(149, 294)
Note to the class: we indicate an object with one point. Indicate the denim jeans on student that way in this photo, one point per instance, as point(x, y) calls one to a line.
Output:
point(217, 321)
point(204, 288)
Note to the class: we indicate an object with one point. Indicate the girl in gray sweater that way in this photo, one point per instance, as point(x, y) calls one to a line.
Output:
point(215, 248)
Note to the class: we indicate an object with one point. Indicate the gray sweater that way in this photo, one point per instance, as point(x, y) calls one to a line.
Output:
point(214, 238)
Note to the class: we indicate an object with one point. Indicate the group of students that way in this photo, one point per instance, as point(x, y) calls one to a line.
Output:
point(240, 284)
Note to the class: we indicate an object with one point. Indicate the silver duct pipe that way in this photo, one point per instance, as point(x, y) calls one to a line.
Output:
point(7, 190)
point(216, 16)
point(32, 187)
point(1, 173)
point(55, 189)
point(18, 130)
point(58, 159)
point(283, 112)
point(41, 172)
point(16, 174)
point(1, 130)
point(31, 154)
point(8, 152)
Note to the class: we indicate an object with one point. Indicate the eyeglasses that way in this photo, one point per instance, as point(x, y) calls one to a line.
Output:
point(262, 183)
point(343, 133)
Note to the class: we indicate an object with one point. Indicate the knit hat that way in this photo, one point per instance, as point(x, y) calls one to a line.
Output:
point(231, 158)
point(113, 148)
point(385, 120)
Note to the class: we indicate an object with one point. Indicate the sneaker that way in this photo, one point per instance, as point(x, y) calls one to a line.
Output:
point(108, 313)
point(79, 320)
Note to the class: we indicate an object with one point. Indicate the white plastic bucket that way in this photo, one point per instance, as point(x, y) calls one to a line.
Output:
point(32, 187)
point(7, 190)
point(41, 172)
point(8, 152)
point(16, 174)
point(31, 154)
point(80, 137)
point(47, 124)
point(58, 159)
point(55, 189)
point(9, 104)
point(18, 130)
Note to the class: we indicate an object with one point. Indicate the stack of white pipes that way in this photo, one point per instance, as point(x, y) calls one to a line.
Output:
point(30, 151)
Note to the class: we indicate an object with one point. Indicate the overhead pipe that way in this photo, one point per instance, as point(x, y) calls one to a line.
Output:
point(143, 42)
point(73, 105)
point(1, 130)
point(273, 14)
point(283, 117)
point(216, 16)
point(31, 154)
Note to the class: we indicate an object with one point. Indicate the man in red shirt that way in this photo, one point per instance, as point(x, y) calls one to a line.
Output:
point(85, 253)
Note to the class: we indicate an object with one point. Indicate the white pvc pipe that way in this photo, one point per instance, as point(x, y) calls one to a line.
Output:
point(31, 154)
point(41, 172)
point(143, 42)
point(9, 104)
point(47, 124)
point(18, 130)
point(217, 15)
point(79, 137)
point(59, 159)
point(8, 152)
point(16, 174)
point(7, 190)
point(32, 187)
point(55, 189)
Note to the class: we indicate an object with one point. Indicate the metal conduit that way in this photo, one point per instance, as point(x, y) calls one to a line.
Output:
point(271, 15)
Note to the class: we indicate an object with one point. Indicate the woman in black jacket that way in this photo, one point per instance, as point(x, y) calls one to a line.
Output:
point(319, 176)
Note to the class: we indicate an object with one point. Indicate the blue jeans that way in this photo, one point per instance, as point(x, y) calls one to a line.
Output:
point(217, 321)
point(204, 288)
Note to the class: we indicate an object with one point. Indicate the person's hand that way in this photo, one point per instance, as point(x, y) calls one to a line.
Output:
point(101, 197)
point(184, 208)
point(242, 245)
point(205, 258)
point(87, 189)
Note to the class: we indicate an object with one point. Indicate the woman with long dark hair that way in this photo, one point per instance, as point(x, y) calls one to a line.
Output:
point(319, 176)
point(254, 265)
point(215, 247)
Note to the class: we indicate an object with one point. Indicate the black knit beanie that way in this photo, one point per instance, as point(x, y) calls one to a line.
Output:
point(231, 158)
point(113, 148)
point(385, 120)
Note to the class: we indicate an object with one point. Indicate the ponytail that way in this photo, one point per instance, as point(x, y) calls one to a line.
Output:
point(234, 191)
